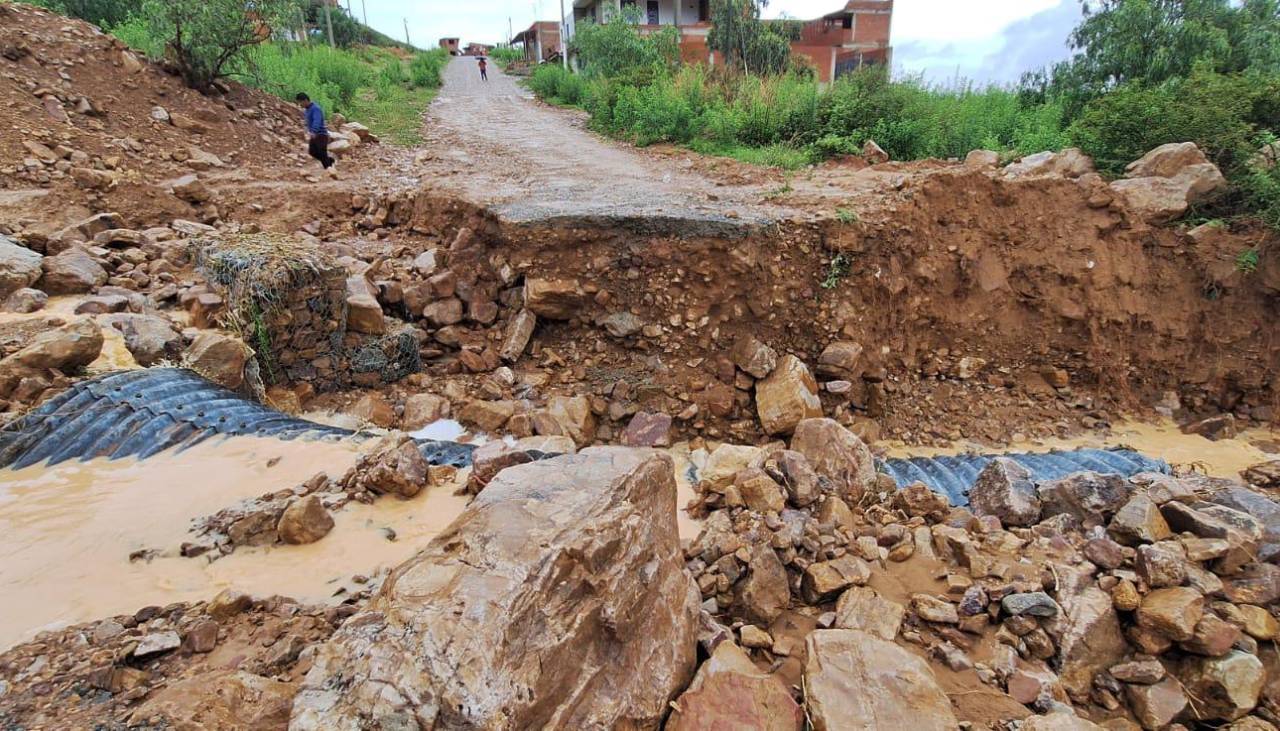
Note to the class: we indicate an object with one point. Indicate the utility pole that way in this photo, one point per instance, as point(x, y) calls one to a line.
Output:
point(365, 8)
point(406, 34)
point(328, 21)
point(564, 31)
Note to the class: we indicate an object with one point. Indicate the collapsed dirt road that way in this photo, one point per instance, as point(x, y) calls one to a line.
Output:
point(570, 294)
point(494, 144)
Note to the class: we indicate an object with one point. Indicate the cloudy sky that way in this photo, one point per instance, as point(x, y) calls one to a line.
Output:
point(989, 40)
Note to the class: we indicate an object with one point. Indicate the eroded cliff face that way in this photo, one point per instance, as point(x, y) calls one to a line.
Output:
point(558, 600)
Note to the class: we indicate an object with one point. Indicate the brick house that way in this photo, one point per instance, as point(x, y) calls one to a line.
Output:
point(540, 41)
point(856, 35)
point(450, 45)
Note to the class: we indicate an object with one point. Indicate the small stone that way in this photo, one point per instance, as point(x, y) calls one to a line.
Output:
point(1036, 604)
point(157, 643)
point(1173, 612)
point(305, 521)
point(754, 637)
point(822, 580)
point(1142, 672)
point(1139, 521)
point(1156, 705)
point(1162, 564)
point(1004, 489)
point(933, 609)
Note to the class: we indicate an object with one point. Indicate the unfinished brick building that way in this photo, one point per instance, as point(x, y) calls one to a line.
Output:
point(854, 36)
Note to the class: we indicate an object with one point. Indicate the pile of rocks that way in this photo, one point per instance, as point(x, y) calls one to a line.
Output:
point(303, 514)
point(168, 666)
point(1143, 602)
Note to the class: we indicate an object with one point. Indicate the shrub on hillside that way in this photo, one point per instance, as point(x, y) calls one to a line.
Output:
point(425, 68)
point(203, 38)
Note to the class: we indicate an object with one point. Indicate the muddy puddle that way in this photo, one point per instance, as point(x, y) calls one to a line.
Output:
point(66, 532)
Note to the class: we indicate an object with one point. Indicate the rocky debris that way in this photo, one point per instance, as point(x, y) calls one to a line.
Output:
point(491, 458)
point(1265, 475)
point(861, 608)
point(219, 358)
point(787, 396)
point(165, 667)
point(648, 430)
point(838, 455)
point(1139, 521)
point(1070, 163)
point(1213, 428)
point(374, 409)
point(422, 409)
point(841, 360)
point(754, 357)
point(304, 521)
point(74, 271)
point(1227, 687)
point(554, 299)
point(31, 371)
point(393, 467)
point(982, 159)
point(519, 332)
point(730, 692)
point(25, 300)
point(150, 339)
point(20, 267)
point(856, 680)
point(873, 153)
point(615, 652)
point(1162, 185)
point(1088, 497)
point(1004, 489)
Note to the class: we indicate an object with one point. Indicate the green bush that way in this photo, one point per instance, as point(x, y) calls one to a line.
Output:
point(425, 68)
point(1213, 110)
point(557, 85)
point(331, 77)
point(136, 34)
point(506, 55)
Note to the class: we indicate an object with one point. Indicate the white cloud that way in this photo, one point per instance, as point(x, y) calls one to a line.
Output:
point(991, 40)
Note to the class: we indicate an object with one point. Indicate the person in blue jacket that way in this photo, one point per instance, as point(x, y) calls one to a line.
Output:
point(318, 147)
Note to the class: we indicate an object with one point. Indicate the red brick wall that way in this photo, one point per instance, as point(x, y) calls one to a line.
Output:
point(872, 28)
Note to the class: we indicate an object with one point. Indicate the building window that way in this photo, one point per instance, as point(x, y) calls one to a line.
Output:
point(651, 14)
point(704, 11)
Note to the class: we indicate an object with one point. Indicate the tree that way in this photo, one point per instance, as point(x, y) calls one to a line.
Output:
point(615, 49)
point(203, 37)
point(1153, 41)
point(745, 41)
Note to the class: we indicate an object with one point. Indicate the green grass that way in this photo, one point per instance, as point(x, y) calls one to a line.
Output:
point(773, 156)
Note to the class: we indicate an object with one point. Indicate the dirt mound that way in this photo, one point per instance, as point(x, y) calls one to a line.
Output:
point(90, 126)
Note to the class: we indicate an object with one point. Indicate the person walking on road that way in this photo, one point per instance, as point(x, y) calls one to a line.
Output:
point(484, 69)
point(318, 145)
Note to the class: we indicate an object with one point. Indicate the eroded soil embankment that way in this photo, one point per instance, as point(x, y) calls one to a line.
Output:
point(985, 308)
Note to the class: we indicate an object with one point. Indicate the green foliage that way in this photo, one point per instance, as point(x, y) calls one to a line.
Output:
point(331, 77)
point(1213, 110)
point(615, 50)
point(1247, 261)
point(846, 215)
point(558, 85)
point(837, 270)
point(748, 43)
point(506, 55)
point(102, 13)
point(136, 34)
point(203, 38)
point(425, 68)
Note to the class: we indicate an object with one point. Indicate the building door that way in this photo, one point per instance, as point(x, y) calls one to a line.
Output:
point(653, 12)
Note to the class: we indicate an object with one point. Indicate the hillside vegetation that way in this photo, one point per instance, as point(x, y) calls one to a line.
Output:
point(1142, 74)
point(367, 77)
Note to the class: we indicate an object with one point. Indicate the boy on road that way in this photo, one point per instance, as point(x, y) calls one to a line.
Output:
point(484, 69)
point(318, 146)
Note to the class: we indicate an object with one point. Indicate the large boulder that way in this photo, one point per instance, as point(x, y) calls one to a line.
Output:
point(1004, 489)
point(69, 347)
point(1167, 181)
point(1070, 163)
point(19, 267)
point(219, 358)
point(1088, 635)
point(73, 271)
point(305, 521)
point(855, 680)
point(1226, 687)
point(729, 692)
point(1089, 497)
point(557, 600)
point(787, 396)
point(838, 454)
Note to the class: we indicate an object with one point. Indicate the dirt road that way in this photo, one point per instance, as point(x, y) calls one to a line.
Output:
point(492, 142)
